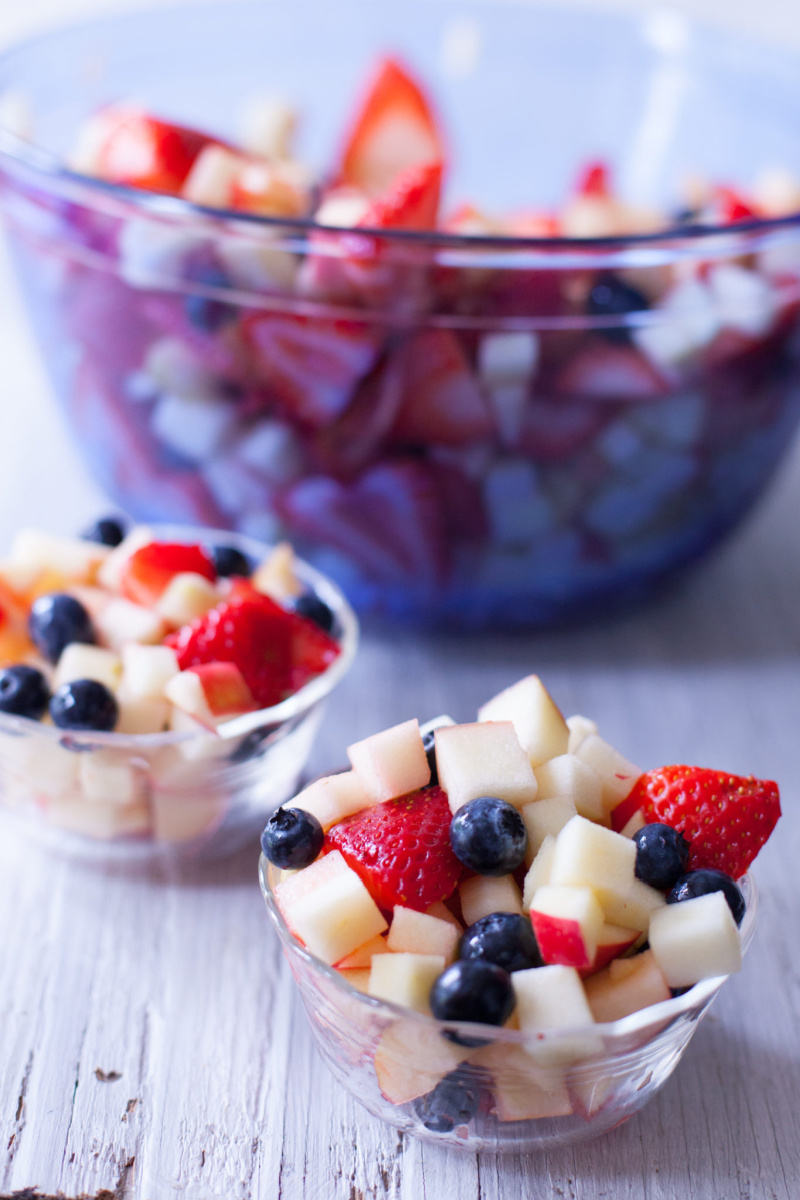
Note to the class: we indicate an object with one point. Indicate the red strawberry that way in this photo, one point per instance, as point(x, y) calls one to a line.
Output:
point(442, 402)
point(610, 373)
point(393, 130)
point(726, 818)
point(594, 180)
point(138, 150)
point(411, 200)
point(401, 849)
point(732, 206)
point(149, 570)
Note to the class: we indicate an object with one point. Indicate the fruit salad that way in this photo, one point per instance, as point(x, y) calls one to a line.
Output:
point(531, 905)
point(141, 676)
point(452, 420)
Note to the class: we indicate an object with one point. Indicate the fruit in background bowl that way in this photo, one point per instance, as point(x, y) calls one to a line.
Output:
point(437, 904)
point(154, 691)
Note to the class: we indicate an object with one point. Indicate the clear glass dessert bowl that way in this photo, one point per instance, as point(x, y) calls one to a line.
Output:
point(573, 459)
point(116, 796)
point(515, 1092)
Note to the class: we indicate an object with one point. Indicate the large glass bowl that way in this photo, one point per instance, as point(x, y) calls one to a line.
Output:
point(554, 462)
point(571, 1084)
point(114, 797)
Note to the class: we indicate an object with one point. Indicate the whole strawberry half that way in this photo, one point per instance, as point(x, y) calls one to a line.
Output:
point(401, 849)
point(725, 818)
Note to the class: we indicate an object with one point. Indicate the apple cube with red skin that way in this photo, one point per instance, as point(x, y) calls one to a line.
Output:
point(612, 941)
point(696, 939)
point(625, 986)
point(392, 763)
point(333, 798)
point(485, 894)
point(327, 907)
point(567, 922)
point(537, 721)
point(405, 978)
point(210, 691)
point(414, 932)
point(483, 759)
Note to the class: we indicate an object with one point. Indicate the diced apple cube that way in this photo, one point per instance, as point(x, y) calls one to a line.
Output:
point(552, 998)
point(121, 621)
point(539, 871)
point(205, 744)
point(522, 1089)
point(363, 955)
point(79, 661)
point(633, 906)
point(579, 729)
point(49, 767)
point(417, 933)
point(110, 572)
point(146, 670)
point(392, 763)
point(540, 727)
point(328, 907)
point(276, 576)
point(72, 558)
point(632, 827)
point(141, 714)
point(106, 777)
point(617, 775)
point(625, 986)
point(411, 1058)
point(568, 776)
point(357, 977)
point(485, 894)
point(589, 855)
point(209, 692)
point(405, 979)
point(103, 822)
point(186, 596)
point(332, 799)
point(439, 909)
point(696, 939)
point(546, 818)
point(567, 922)
point(484, 759)
point(613, 941)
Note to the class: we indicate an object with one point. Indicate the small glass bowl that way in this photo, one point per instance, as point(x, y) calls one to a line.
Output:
point(138, 796)
point(529, 1092)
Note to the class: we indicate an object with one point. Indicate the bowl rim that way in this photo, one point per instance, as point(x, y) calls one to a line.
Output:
point(19, 151)
point(296, 705)
point(693, 1000)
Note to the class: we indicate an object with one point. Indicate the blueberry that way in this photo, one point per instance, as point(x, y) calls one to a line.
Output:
point(454, 1101)
point(662, 855)
point(292, 838)
point(84, 704)
point(23, 692)
point(429, 743)
point(206, 314)
point(108, 531)
point(472, 990)
point(310, 606)
point(228, 560)
point(56, 620)
point(489, 836)
point(505, 939)
point(704, 881)
point(610, 297)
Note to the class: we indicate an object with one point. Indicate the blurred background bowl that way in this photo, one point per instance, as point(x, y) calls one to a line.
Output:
point(555, 461)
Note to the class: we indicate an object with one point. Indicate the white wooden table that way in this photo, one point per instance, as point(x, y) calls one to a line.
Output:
point(151, 1043)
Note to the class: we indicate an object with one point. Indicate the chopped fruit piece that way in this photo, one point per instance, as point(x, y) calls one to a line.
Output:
point(441, 401)
point(521, 1090)
point(145, 575)
point(411, 201)
point(632, 908)
point(102, 821)
point(405, 978)
point(186, 596)
point(105, 776)
point(362, 957)
point(333, 798)
point(612, 941)
point(292, 838)
point(617, 775)
point(120, 622)
point(414, 932)
point(626, 986)
point(125, 145)
point(725, 818)
point(539, 871)
point(84, 704)
point(33, 552)
point(706, 880)
point(549, 999)
point(411, 1058)
point(88, 662)
point(546, 818)
point(141, 714)
point(588, 855)
point(608, 372)
point(357, 977)
point(594, 180)
point(483, 759)
point(483, 895)
point(146, 670)
point(329, 909)
point(503, 938)
point(568, 776)
point(633, 826)
point(472, 990)
point(695, 940)
point(567, 922)
point(275, 576)
point(540, 727)
point(392, 763)
point(395, 129)
point(440, 910)
point(401, 849)
point(57, 619)
point(662, 855)
point(108, 531)
point(452, 1103)
point(489, 836)
point(210, 691)
point(579, 729)
point(109, 573)
point(23, 692)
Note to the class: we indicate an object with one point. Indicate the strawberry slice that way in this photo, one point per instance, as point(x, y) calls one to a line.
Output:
point(610, 372)
point(594, 179)
point(134, 148)
point(393, 129)
point(555, 430)
point(411, 201)
point(732, 206)
point(147, 573)
point(311, 649)
point(401, 849)
point(725, 818)
point(442, 403)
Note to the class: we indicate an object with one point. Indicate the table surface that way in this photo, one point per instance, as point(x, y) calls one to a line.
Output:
point(151, 1043)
